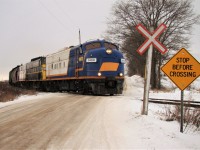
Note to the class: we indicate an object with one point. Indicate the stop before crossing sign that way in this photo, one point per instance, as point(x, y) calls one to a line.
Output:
point(182, 69)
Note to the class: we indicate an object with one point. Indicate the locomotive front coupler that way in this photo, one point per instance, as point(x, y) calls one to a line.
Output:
point(110, 82)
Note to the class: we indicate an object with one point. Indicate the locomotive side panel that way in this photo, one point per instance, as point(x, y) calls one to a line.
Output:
point(57, 64)
point(34, 69)
point(22, 73)
point(72, 60)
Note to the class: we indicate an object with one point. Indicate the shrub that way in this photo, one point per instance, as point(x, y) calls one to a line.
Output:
point(9, 93)
point(191, 116)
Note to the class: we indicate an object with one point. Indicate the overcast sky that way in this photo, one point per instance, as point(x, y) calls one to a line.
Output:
point(31, 28)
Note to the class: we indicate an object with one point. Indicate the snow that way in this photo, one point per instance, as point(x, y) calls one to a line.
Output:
point(130, 129)
point(151, 132)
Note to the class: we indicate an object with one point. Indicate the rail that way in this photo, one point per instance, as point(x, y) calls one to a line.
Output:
point(187, 103)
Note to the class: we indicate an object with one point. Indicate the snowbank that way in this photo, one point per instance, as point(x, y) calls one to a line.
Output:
point(133, 86)
point(24, 98)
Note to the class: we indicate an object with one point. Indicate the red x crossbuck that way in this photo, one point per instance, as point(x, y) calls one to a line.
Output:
point(151, 38)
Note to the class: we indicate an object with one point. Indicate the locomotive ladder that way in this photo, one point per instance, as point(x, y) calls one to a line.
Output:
point(76, 69)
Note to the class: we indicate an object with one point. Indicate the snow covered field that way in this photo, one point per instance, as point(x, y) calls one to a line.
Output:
point(130, 129)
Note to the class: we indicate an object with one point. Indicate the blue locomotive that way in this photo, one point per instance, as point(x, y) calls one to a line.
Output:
point(95, 67)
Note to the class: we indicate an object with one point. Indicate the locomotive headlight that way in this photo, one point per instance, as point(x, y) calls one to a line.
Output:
point(121, 74)
point(99, 74)
point(109, 51)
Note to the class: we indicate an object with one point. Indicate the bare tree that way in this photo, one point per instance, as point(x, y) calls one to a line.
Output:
point(178, 15)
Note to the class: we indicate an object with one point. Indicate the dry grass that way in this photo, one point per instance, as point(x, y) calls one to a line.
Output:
point(191, 116)
point(164, 90)
point(9, 93)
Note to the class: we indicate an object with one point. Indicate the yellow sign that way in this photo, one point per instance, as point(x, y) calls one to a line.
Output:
point(182, 69)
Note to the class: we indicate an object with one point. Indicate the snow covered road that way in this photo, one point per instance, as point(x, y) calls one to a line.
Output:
point(45, 123)
point(70, 121)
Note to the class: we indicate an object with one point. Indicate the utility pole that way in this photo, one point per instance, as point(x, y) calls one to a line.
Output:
point(79, 37)
point(151, 38)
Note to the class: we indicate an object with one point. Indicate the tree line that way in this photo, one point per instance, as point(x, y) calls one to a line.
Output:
point(177, 15)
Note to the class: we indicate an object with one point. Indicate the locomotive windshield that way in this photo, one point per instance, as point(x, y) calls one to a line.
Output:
point(110, 46)
point(93, 46)
point(96, 45)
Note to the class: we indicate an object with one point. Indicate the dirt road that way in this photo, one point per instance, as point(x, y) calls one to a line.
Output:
point(61, 121)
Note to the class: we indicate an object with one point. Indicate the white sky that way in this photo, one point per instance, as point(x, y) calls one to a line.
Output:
point(32, 28)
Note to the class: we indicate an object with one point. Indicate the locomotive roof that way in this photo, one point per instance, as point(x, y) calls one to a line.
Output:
point(15, 67)
point(33, 59)
point(98, 40)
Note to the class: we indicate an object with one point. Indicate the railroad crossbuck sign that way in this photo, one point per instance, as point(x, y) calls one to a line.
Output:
point(182, 69)
point(152, 38)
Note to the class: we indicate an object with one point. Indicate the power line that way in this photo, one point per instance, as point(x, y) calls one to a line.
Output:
point(54, 16)
point(65, 14)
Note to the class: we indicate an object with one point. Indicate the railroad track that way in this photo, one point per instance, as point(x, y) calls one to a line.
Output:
point(186, 103)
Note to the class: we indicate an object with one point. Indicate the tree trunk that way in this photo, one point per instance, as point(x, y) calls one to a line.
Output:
point(153, 71)
point(159, 72)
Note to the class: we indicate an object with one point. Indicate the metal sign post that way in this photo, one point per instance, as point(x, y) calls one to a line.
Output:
point(181, 127)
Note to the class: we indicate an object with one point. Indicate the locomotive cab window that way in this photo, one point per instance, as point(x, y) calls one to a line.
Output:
point(94, 45)
point(80, 50)
point(110, 46)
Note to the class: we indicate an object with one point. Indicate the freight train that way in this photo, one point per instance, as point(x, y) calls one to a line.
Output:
point(95, 67)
